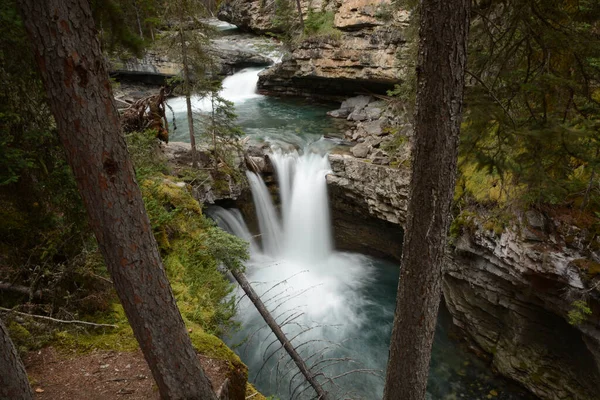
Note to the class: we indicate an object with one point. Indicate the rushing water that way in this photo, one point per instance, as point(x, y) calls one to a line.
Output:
point(336, 307)
point(295, 121)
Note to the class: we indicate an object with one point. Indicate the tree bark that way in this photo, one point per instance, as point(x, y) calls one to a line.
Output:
point(299, 6)
point(188, 92)
point(72, 67)
point(444, 26)
point(285, 343)
point(13, 379)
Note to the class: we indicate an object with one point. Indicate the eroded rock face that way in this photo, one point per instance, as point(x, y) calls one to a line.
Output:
point(509, 291)
point(367, 51)
point(230, 53)
point(511, 296)
point(258, 16)
point(368, 204)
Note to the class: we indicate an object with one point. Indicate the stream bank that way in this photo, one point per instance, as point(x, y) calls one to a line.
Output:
point(509, 291)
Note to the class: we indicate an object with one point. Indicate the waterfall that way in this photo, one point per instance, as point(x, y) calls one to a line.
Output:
point(270, 228)
point(241, 86)
point(233, 222)
point(237, 88)
point(302, 233)
point(299, 275)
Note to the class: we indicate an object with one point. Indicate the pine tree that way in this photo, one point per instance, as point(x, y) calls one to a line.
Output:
point(533, 114)
point(71, 64)
point(444, 26)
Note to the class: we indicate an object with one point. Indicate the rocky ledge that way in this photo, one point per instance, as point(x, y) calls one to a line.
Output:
point(525, 296)
point(211, 188)
point(364, 51)
point(514, 295)
point(230, 53)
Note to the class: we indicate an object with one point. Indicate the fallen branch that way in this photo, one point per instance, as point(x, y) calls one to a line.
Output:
point(24, 290)
point(60, 321)
point(286, 344)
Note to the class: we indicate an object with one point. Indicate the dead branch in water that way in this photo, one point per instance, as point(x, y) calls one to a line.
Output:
point(286, 344)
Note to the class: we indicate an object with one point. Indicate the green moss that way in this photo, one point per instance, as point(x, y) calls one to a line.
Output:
point(212, 346)
point(496, 224)
point(321, 24)
point(117, 339)
point(464, 222)
point(21, 337)
point(252, 393)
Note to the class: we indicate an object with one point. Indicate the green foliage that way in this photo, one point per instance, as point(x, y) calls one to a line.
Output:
point(321, 23)
point(220, 126)
point(25, 121)
point(284, 19)
point(144, 150)
point(533, 111)
point(193, 249)
point(464, 222)
point(126, 25)
point(44, 237)
point(579, 312)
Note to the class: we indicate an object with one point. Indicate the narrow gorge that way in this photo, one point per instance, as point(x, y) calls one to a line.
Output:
point(509, 290)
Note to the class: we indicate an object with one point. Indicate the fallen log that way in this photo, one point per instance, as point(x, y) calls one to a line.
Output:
point(287, 345)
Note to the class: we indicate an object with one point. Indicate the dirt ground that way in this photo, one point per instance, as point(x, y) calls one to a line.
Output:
point(101, 375)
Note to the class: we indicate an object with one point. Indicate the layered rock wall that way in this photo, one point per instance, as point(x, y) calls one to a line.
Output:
point(366, 51)
point(368, 204)
point(511, 290)
point(229, 53)
point(511, 294)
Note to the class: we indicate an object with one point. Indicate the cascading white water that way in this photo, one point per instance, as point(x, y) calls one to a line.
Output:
point(232, 221)
point(237, 88)
point(270, 227)
point(317, 287)
point(336, 308)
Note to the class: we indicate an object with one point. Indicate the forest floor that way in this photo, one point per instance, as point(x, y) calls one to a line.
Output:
point(100, 375)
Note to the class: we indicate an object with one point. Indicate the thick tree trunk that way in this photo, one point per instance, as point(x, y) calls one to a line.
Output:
point(72, 66)
point(285, 343)
point(443, 33)
point(13, 378)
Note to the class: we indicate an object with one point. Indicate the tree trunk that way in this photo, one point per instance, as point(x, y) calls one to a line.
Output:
point(214, 127)
point(72, 67)
point(443, 33)
point(300, 14)
point(13, 379)
point(188, 93)
point(285, 343)
point(137, 16)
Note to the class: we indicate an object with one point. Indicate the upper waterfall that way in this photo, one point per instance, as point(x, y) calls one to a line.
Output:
point(237, 88)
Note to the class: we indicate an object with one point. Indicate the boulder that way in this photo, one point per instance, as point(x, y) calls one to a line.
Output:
point(361, 150)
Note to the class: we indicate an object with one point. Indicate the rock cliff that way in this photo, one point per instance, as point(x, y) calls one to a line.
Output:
point(364, 52)
point(230, 53)
point(512, 291)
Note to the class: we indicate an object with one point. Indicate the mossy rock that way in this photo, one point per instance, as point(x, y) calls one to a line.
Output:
point(213, 347)
point(590, 267)
point(252, 393)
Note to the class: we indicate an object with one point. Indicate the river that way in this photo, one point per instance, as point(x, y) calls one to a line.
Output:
point(338, 307)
